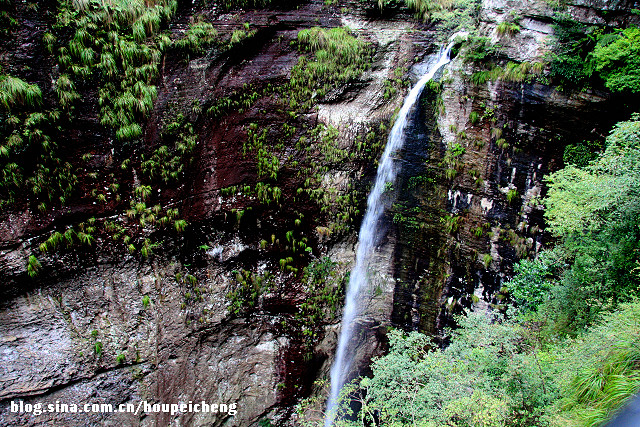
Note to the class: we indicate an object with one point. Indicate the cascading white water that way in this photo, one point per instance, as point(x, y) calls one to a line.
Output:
point(369, 234)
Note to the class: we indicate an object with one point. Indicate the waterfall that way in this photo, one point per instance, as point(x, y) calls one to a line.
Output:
point(369, 235)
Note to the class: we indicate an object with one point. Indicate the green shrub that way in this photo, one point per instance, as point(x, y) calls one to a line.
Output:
point(478, 49)
point(532, 281)
point(617, 60)
point(581, 154)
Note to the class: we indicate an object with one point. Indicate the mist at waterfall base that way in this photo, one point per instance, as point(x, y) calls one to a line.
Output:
point(369, 235)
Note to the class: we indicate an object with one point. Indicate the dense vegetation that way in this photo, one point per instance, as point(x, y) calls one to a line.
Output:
point(567, 350)
point(591, 55)
point(113, 49)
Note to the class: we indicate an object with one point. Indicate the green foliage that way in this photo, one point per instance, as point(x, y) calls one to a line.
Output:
point(451, 223)
point(474, 117)
point(574, 42)
point(581, 154)
point(618, 60)
point(338, 58)
point(8, 23)
point(125, 67)
point(453, 159)
point(487, 259)
point(481, 366)
point(15, 92)
point(323, 286)
point(249, 287)
point(196, 38)
point(602, 370)
point(512, 72)
point(167, 162)
point(33, 266)
point(497, 372)
point(532, 281)
point(478, 49)
point(579, 197)
point(121, 358)
point(583, 52)
point(507, 28)
point(454, 16)
point(82, 234)
point(146, 301)
point(408, 217)
point(595, 212)
point(426, 8)
point(28, 151)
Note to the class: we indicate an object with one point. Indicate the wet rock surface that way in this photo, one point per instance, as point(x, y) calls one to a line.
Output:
point(110, 327)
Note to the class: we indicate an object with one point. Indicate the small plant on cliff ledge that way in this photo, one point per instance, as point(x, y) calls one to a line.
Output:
point(248, 289)
point(33, 266)
point(487, 259)
point(507, 28)
point(426, 8)
point(451, 223)
point(199, 35)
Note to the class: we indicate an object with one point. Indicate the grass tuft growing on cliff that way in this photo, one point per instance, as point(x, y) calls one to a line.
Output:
point(198, 35)
point(338, 58)
point(15, 92)
point(425, 8)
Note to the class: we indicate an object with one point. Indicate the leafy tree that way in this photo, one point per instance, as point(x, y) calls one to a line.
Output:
point(596, 213)
point(490, 375)
point(498, 372)
point(617, 60)
point(532, 281)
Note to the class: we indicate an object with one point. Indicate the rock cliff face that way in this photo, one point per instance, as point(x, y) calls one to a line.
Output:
point(219, 313)
point(491, 144)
